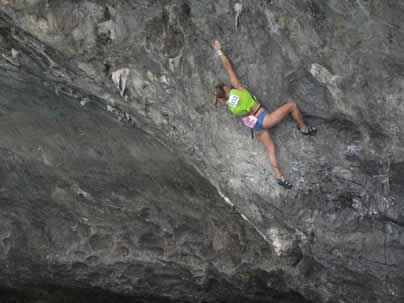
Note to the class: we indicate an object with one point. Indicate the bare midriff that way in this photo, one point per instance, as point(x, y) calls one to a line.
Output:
point(254, 108)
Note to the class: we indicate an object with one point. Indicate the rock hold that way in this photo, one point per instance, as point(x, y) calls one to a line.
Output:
point(325, 77)
point(120, 77)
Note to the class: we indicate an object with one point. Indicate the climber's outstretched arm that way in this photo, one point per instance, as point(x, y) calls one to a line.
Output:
point(227, 66)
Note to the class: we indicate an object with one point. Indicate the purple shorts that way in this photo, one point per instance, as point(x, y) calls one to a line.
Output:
point(261, 117)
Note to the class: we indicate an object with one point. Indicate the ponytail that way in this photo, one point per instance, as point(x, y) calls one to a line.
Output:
point(218, 93)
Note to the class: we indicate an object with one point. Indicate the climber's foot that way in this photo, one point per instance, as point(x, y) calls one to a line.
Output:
point(311, 131)
point(284, 183)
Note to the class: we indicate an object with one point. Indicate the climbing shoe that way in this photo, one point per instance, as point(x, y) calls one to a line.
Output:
point(284, 184)
point(311, 131)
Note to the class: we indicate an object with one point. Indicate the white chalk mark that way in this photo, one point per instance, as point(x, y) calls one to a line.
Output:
point(238, 7)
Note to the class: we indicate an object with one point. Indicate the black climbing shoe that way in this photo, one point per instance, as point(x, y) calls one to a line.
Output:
point(284, 183)
point(311, 131)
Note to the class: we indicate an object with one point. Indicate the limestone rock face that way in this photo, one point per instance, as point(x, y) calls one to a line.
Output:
point(118, 173)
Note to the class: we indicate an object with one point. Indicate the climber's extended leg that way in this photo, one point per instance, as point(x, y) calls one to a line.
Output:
point(265, 138)
point(280, 113)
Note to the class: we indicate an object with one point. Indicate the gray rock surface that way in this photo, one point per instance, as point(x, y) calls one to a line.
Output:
point(118, 173)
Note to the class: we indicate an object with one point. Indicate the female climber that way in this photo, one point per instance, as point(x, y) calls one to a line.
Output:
point(240, 102)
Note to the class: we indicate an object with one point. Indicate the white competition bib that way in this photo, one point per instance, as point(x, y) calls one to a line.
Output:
point(233, 100)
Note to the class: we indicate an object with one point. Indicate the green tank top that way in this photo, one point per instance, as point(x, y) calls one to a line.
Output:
point(240, 102)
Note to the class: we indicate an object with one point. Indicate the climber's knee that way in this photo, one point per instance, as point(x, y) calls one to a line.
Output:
point(292, 106)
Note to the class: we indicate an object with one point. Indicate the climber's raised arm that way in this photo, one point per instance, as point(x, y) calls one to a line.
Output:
point(227, 66)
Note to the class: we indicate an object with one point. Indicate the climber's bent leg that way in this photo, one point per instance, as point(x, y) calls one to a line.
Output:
point(280, 113)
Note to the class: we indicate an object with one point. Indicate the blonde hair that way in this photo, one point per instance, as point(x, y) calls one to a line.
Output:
point(218, 92)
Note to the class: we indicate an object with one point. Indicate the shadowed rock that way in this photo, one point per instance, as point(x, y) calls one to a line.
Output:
point(133, 183)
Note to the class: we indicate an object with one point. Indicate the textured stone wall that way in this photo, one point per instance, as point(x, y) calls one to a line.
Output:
point(119, 173)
